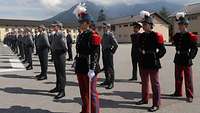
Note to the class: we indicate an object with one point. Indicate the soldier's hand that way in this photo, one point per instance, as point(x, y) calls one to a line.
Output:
point(91, 74)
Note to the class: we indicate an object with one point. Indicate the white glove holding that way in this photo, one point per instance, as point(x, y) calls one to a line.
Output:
point(91, 74)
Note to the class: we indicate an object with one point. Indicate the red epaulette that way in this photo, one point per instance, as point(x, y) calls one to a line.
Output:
point(160, 38)
point(193, 37)
point(96, 38)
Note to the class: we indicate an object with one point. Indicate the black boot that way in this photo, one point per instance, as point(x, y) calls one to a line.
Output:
point(175, 95)
point(43, 77)
point(110, 86)
point(153, 109)
point(55, 90)
point(29, 67)
point(141, 102)
point(38, 76)
point(61, 94)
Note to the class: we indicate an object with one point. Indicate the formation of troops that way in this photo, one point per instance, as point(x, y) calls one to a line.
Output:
point(147, 50)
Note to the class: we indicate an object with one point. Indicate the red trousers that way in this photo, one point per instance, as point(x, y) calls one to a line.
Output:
point(152, 75)
point(183, 72)
point(83, 81)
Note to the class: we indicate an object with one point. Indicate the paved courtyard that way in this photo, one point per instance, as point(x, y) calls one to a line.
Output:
point(21, 93)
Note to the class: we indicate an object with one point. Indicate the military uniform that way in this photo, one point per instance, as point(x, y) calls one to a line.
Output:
point(88, 47)
point(21, 48)
point(109, 47)
point(50, 37)
point(59, 49)
point(43, 48)
point(36, 41)
point(186, 50)
point(29, 44)
point(149, 62)
point(134, 53)
point(151, 50)
point(69, 46)
point(87, 59)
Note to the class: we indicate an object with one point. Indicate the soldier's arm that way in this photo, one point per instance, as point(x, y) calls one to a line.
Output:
point(114, 43)
point(46, 39)
point(63, 43)
point(95, 46)
point(161, 48)
point(194, 49)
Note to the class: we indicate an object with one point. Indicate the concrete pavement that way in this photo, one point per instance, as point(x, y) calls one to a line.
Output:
point(21, 93)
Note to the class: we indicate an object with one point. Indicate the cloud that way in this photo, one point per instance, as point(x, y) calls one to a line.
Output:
point(42, 9)
point(51, 3)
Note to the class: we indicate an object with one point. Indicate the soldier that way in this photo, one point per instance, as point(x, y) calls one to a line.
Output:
point(69, 45)
point(20, 43)
point(151, 49)
point(42, 50)
point(50, 37)
point(135, 48)
point(14, 41)
point(35, 41)
point(88, 45)
point(109, 47)
point(29, 44)
point(186, 50)
point(59, 49)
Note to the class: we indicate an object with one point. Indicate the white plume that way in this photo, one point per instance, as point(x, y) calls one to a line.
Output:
point(81, 8)
point(180, 14)
point(144, 13)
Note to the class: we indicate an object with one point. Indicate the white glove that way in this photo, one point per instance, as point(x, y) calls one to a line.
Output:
point(91, 74)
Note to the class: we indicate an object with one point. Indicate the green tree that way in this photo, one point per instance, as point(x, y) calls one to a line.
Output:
point(101, 16)
point(164, 13)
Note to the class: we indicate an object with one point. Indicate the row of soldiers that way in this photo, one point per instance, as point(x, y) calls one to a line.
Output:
point(24, 42)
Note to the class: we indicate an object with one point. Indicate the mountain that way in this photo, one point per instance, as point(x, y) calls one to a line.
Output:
point(113, 11)
point(68, 18)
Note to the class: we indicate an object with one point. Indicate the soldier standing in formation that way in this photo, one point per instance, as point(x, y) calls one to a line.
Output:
point(50, 37)
point(69, 45)
point(151, 49)
point(135, 48)
point(35, 41)
point(109, 47)
point(88, 45)
point(20, 43)
point(28, 47)
point(59, 49)
point(186, 50)
point(42, 48)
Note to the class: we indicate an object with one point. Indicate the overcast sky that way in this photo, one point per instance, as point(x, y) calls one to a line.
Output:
point(43, 9)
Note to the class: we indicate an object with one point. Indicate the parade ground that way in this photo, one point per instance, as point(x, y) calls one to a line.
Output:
point(20, 92)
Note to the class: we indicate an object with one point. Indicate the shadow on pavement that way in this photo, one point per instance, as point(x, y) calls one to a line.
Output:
point(68, 83)
point(23, 109)
point(18, 90)
point(120, 81)
point(124, 95)
point(16, 76)
point(5, 67)
point(167, 96)
point(106, 103)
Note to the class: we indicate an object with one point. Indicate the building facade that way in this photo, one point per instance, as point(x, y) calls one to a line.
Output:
point(122, 27)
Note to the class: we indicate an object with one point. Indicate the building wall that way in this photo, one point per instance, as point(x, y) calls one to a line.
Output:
point(2, 32)
point(122, 32)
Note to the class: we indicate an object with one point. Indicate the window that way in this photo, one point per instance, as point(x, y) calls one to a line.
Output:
point(113, 27)
point(126, 25)
point(192, 18)
point(196, 33)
